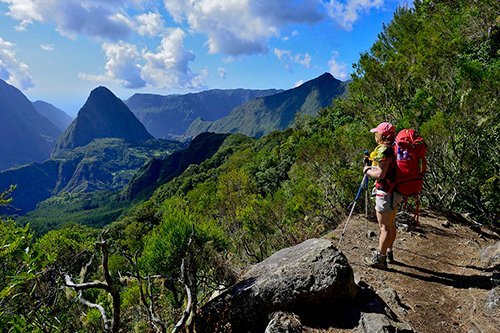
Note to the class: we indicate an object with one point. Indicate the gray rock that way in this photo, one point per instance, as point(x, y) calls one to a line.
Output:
point(490, 255)
point(391, 298)
point(493, 300)
point(373, 322)
point(284, 322)
point(300, 279)
point(376, 311)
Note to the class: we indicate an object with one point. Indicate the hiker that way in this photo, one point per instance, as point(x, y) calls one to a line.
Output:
point(383, 169)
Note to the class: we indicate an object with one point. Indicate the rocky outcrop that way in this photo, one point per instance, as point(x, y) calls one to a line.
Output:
point(302, 279)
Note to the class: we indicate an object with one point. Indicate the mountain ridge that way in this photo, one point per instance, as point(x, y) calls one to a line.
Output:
point(25, 135)
point(56, 116)
point(169, 116)
point(275, 112)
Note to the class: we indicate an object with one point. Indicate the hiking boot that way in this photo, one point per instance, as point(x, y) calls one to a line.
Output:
point(376, 261)
point(390, 257)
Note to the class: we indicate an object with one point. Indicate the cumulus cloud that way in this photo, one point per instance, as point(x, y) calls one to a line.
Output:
point(13, 71)
point(237, 27)
point(338, 69)
point(94, 18)
point(121, 65)
point(168, 67)
point(150, 24)
point(346, 13)
point(47, 47)
point(288, 57)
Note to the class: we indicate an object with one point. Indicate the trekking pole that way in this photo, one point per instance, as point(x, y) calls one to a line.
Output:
point(361, 187)
point(366, 162)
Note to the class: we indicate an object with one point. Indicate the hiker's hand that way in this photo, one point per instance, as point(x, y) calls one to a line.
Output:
point(366, 168)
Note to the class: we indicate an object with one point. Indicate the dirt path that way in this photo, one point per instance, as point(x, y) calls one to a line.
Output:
point(439, 278)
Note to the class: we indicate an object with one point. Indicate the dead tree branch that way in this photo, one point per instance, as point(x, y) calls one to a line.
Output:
point(188, 280)
point(108, 285)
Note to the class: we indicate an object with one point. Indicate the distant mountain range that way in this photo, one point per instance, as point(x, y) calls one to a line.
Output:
point(100, 150)
point(56, 116)
point(107, 148)
point(25, 135)
point(169, 116)
point(102, 116)
point(275, 112)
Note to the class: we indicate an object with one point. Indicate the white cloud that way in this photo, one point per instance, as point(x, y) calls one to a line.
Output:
point(288, 57)
point(338, 69)
point(150, 24)
point(122, 65)
point(94, 18)
point(303, 59)
point(47, 47)
point(298, 83)
point(347, 13)
point(222, 72)
point(13, 71)
point(283, 54)
point(168, 67)
point(237, 27)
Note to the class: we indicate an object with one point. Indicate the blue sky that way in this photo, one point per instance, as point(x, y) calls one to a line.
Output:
point(59, 50)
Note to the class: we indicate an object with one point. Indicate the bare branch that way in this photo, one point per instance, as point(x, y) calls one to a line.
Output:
point(186, 313)
point(98, 307)
point(186, 281)
point(84, 286)
point(109, 286)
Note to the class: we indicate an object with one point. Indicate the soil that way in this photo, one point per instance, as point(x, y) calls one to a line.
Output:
point(439, 277)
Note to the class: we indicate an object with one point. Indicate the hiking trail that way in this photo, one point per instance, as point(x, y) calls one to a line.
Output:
point(439, 282)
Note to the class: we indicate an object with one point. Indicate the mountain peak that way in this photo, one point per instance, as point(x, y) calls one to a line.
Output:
point(102, 116)
point(101, 90)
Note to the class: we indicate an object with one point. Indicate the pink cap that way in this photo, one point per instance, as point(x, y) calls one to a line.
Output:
point(384, 128)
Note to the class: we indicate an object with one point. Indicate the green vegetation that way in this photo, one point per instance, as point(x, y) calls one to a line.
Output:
point(435, 67)
point(94, 209)
point(103, 165)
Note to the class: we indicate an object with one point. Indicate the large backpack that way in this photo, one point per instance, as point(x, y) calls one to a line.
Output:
point(411, 164)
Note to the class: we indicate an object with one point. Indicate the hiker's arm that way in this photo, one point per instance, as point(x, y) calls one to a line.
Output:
point(379, 171)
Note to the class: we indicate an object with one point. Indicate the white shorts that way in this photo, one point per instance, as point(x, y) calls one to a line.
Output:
point(387, 202)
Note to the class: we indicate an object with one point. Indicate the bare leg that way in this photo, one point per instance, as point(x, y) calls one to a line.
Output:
point(387, 234)
point(392, 230)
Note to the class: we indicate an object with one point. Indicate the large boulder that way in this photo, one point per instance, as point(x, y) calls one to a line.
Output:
point(302, 279)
